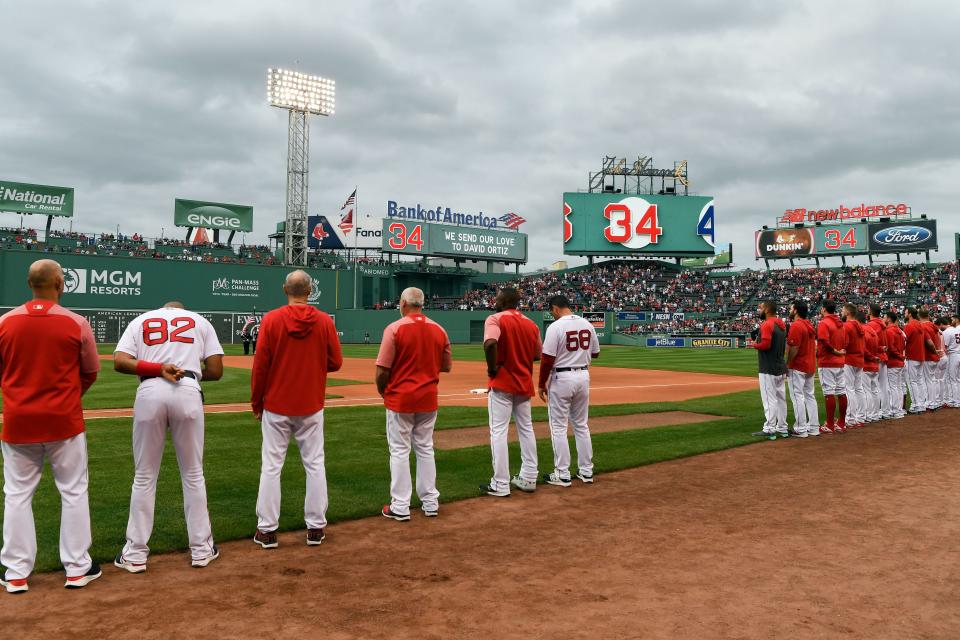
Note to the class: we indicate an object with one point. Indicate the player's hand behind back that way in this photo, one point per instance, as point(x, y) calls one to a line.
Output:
point(171, 372)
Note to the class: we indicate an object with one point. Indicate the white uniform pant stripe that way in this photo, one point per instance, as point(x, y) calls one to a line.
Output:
point(568, 401)
point(871, 387)
point(22, 467)
point(773, 394)
point(308, 433)
point(406, 430)
point(882, 383)
point(916, 380)
point(160, 406)
point(501, 407)
point(805, 410)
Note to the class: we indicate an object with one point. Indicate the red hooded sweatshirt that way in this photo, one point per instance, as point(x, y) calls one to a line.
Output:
point(830, 334)
point(854, 333)
point(296, 348)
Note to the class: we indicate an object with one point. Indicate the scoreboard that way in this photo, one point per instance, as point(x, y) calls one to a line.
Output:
point(413, 237)
point(846, 239)
point(616, 224)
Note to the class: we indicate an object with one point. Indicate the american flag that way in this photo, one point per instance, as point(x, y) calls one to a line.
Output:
point(512, 220)
point(352, 200)
point(346, 222)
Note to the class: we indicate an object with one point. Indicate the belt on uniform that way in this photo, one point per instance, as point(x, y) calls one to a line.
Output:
point(562, 369)
point(186, 374)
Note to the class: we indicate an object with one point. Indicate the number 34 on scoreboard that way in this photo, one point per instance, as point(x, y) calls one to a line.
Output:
point(638, 223)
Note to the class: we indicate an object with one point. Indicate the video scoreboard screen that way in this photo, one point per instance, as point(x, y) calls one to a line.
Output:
point(612, 224)
point(449, 241)
point(847, 239)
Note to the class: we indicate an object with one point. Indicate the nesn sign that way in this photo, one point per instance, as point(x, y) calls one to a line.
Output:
point(902, 236)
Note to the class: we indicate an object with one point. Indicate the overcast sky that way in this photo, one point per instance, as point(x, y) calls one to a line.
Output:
point(484, 106)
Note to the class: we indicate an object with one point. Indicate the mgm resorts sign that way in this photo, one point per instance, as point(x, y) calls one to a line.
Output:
point(212, 215)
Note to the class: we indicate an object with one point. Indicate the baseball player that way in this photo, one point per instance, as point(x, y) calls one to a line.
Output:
point(933, 342)
point(871, 370)
point(511, 344)
point(831, 350)
point(171, 350)
point(943, 365)
point(413, 352)
point(569, 346)
point(298, 346)
point(951, 344)
point(896, 378)
point(880, 328)
point(916, 354)
point(48, 360)
point(801, 364)
point(853, 368)
point(773, 393)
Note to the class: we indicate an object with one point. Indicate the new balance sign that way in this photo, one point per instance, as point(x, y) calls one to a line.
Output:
point(212, 215)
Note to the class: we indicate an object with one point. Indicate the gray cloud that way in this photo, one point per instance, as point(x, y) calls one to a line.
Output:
point(493, 106)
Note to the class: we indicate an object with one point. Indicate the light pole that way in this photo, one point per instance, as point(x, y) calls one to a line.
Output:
point(301, 95)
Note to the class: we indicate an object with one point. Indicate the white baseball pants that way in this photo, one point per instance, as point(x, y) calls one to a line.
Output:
point(931, 371)
point(884, 393)
point(871, 388)
point(953, 379)
point(895, 388)
point(831, 381)
point(501, 406)
point(22, 467)
point(161, 405)
point(404, 430)
point(773, 394)
point(917, 382)
point(568, 400)
point(856, 397)
point(940, 374)
point(805, 410)
point(308, 432)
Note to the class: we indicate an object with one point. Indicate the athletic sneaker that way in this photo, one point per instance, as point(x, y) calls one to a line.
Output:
point(556, 479)
point(266, 539)
point(387, 512)
point(769, 435)
point(783, 434)
point(133, 567)
point(315, 537)
point(200, 563)
point(585, 478)
point(839, 428)
point(526, 486)
point(17, 585)
point(826, 428)
point(431, 513)
point(79, 582)
point(798, 434)
point(489, 490)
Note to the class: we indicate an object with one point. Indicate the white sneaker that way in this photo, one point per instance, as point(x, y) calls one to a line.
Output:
point(556, 480)
point(528, 486)
point(585, 478)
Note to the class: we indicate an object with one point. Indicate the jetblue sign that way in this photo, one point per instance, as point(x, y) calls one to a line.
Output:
point(440, 214)
point(665, 342)
point(892, 237)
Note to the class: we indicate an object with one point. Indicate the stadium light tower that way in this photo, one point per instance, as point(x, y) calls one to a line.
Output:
point(301, 95)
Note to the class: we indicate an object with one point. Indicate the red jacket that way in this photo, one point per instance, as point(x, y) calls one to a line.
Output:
point(830, 334)
point(880, 327)
point(803, 337)
point(932, 332)
point(871, 350)
point(854, 333)
point(896, 343)
point(297, 346)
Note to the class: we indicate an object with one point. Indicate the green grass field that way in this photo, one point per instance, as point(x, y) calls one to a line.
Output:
point(356, 454)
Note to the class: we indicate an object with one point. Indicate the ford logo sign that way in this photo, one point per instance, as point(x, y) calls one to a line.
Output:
point(902, 236)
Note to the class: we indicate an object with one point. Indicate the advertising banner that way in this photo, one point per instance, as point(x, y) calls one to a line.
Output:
point(631, 316)
point(722, 259)
point(21, 197)
point(661, 316)
point(597, 318)
point(322, 233)
point(665, 342)
point(785, 243)
point(212, 215)
point(623, 224)
point(714, 343)
point(894, 237)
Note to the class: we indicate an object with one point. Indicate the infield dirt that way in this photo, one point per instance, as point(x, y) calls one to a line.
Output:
point(849, 536)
